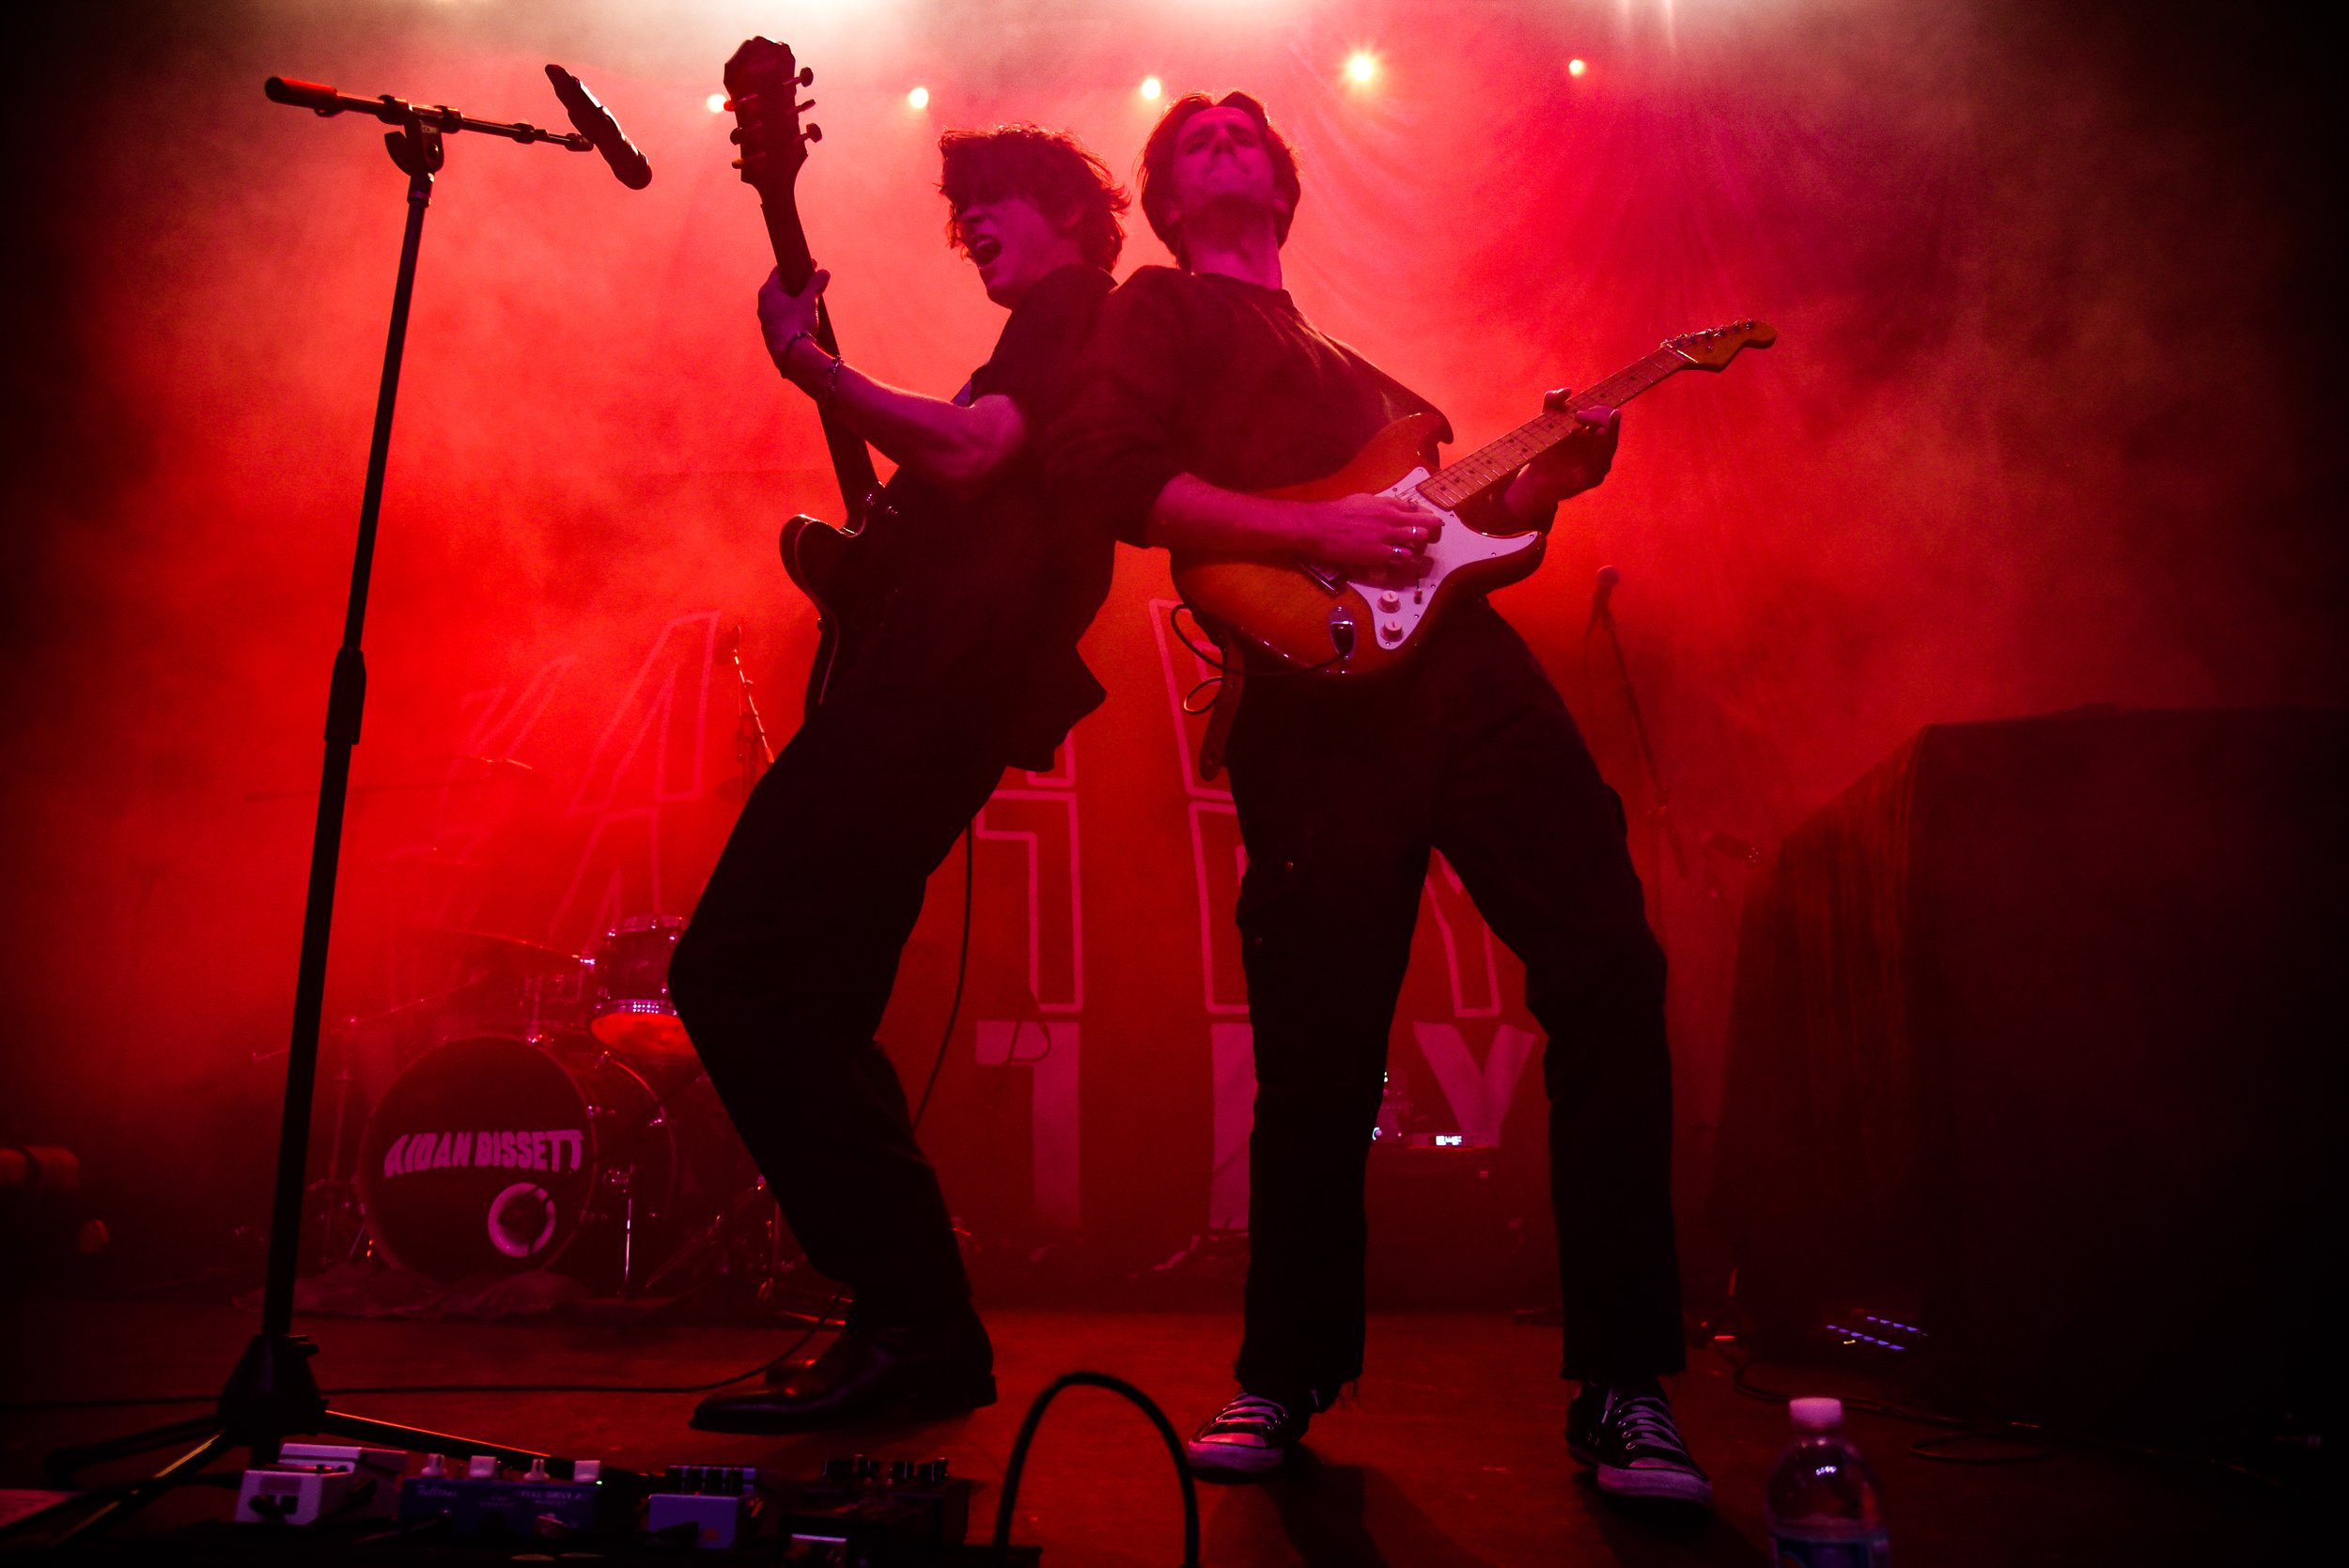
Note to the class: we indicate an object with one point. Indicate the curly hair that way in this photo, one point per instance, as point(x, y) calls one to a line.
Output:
point(1051, 168)
point(1155, 182)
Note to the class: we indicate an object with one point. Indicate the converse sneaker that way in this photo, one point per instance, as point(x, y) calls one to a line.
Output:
point(1251, 1436)
point(1630, 1439)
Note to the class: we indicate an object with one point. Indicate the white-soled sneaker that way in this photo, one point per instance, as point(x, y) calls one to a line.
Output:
point(1251, 1436)
point(1631, 1441)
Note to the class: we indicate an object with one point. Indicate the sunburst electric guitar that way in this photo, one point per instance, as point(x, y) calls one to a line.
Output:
point(837, 566)
point(1315, 619)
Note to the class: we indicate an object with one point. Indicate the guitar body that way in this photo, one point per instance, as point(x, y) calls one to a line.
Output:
point(843, 575)
point(1328, 626)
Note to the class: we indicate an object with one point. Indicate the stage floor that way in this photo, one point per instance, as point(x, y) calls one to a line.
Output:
point(1450, 1456)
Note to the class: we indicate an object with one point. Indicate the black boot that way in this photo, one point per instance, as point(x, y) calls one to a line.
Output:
point(868, 1373)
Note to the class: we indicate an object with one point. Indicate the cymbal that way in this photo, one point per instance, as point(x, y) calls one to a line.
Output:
point(494, 947)
point(658, 1036)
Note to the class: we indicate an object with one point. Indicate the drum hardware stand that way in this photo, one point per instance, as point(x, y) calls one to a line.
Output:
point(750, 747)
point(272, 1394)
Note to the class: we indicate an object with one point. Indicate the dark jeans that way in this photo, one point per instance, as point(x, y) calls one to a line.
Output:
point(1342, 793)
point(784, 974)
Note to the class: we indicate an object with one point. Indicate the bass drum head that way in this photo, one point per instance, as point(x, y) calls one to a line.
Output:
point(488, 1157)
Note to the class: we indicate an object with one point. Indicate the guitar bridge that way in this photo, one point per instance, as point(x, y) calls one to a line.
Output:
point(1327, 578)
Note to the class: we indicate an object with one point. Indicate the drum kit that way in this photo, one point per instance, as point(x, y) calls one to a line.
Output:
point(575, 1132)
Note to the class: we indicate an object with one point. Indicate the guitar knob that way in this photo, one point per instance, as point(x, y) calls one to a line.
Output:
point(1390, 601)
point(1391, 632)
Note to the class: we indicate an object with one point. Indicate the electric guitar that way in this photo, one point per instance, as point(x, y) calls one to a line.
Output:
point(1315, 619)
point(835, 565)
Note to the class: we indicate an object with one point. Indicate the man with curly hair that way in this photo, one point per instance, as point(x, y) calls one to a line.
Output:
point(967, 665)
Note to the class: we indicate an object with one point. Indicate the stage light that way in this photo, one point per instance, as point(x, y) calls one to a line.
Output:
point(918, 99)
point(1361, 66)
point(1575, 68)
point(1152, 87)
point(717, 102)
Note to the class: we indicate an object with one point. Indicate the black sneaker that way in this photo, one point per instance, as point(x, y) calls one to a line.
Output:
point(1251, 1436)
point(1630, 1439)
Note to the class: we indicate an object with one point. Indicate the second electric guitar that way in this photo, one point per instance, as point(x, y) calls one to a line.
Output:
point(1315, 619)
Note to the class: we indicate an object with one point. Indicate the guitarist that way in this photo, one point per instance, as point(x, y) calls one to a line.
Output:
point(972, 667)
point(1204, 384)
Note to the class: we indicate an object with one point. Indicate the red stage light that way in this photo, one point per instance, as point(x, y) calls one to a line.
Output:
point(1575, 68)
point(1152, 87)
point(1361, 66)
point(918, 99)
point(717, 102)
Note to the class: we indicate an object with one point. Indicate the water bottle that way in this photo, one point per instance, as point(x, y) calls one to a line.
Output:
point(1825, 1509)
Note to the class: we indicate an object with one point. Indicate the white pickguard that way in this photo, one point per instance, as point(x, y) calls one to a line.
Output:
point(1397, 612)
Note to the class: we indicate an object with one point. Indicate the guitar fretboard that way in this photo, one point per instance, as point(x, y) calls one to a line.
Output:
point(1496, 461)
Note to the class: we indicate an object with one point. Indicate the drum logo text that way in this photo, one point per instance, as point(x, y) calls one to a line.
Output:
point(561, 1149)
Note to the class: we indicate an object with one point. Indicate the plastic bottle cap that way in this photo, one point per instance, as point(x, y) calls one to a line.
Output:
point(1816, 1415)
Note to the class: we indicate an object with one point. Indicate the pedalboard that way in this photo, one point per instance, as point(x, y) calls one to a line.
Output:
point(486, 1501)
point(310, 1482)
point(856, 1515)
point(710, 1507)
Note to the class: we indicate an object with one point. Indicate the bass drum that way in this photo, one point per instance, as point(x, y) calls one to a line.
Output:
point(491, 1156)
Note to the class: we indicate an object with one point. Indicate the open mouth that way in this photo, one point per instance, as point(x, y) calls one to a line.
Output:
point(986, 248)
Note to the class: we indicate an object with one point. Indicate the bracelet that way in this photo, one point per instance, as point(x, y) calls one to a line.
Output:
point(783, 355)
point(832, 384)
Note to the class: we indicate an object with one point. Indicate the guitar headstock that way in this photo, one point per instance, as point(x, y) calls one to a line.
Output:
point(763, 84)
point(1715, 347)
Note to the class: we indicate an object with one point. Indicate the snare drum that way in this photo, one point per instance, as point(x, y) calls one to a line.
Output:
point(629, 1007)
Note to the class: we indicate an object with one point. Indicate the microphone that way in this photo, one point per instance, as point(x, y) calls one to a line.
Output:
point(595, 122)
point(1608, 578)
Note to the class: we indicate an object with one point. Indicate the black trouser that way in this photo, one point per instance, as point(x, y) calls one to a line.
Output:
point(1342, 793)
point(784, 974)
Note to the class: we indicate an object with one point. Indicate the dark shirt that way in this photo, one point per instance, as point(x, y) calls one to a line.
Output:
point(1201, 374)
point(989, 593)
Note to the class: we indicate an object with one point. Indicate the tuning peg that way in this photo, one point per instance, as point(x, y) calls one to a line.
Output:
point(804, 108)
point(806, 76)
point(814, 133)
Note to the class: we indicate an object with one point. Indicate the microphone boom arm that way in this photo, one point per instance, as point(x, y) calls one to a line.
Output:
point(327, 101)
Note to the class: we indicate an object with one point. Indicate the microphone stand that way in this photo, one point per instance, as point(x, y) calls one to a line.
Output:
point(272, 1394)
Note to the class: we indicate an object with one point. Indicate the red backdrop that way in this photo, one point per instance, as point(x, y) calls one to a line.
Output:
point(2037, 432)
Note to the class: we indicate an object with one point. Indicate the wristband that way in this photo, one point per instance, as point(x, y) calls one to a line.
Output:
point(832, 384)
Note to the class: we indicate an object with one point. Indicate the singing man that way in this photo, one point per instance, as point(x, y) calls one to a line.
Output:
point(969, 667)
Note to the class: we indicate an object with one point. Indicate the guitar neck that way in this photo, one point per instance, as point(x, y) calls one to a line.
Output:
point(851, 460)
point(1495, 461)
